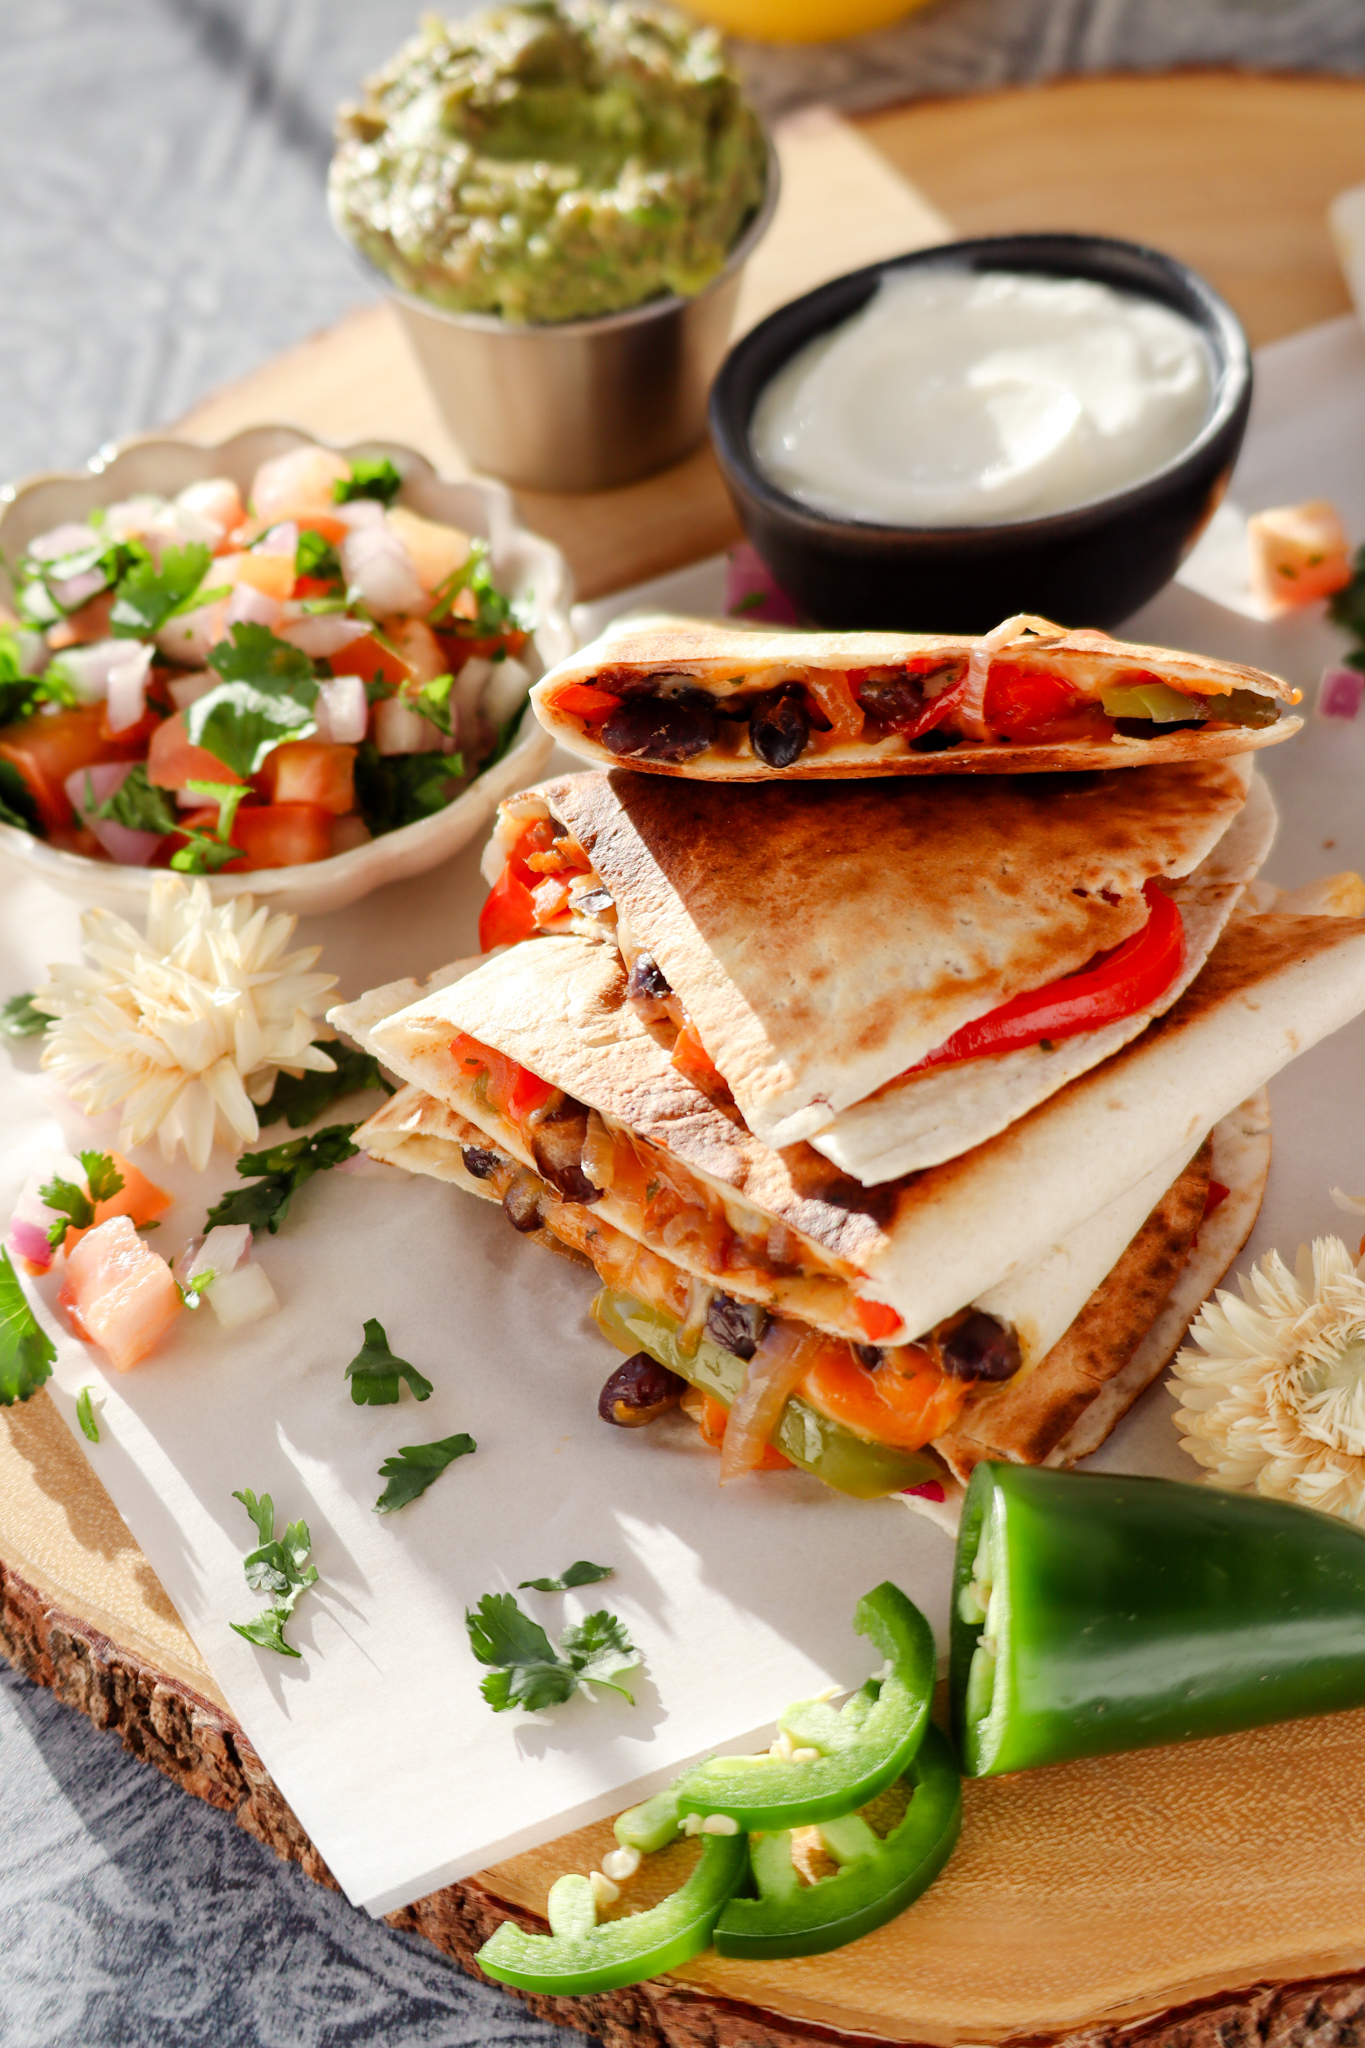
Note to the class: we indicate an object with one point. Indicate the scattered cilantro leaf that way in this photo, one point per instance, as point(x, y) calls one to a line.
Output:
point(26, 1350)
point(371, 477)
point(580, 1574)
point(102, 1177)
point(85, 1414)
point(208, 849)
point(77, 1204)
point(266, 696)
point(301, 1099)
point(148, 593)
point(374, 1374)
point(279, 1568)
point(397, 789)
point(493, 613)
point(276, 1175)
point(416, 1465)
point(19, 1019)
point(528, 1671)
point(316, 556)
point(137, 803)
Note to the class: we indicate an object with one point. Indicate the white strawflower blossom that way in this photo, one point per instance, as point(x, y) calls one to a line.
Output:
point(1274, 1395)
point(184, 1029)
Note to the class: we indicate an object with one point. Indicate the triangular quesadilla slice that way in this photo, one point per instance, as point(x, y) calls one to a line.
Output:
point(723, 703)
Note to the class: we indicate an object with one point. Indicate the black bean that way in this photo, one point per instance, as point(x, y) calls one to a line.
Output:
point(935, 741)
point(639, 1391)
point(780, 728)
point(979, 1348)
point(479, 1161)
point(557, 1142)
point(661, 728)
point(1150, 729)
point(899, 700)
point(737, 1326)
point(647, 979)
point(870, 1355)
point(592, 902)
point(521, 1203)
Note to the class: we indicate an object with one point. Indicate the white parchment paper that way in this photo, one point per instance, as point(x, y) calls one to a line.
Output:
point(739, 1599)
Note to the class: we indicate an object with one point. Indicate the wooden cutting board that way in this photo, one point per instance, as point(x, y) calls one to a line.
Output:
point(1226, 1879)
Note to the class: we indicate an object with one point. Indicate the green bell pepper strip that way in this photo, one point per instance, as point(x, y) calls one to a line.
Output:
point(878, 1877)
point(848, 1463)
point(580, 1954)
point(864, 1747)
point(1093, 1614)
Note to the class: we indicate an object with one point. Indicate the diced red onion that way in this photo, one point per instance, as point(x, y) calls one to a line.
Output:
point(89, 668)
point(73, 591)
point(323, 634)
point(249, 606)
point(930, 1490)
point(27, 1241)
point(128, 685)
point(281, 540)
point(780, 1363)
point(507, 690)
point(470, 683)
point(87, 789)
point(130, 518)
point(359, 512)
point(63, 540)
point(342, 711)
point(189, 638)
point(398, 729)
point(187, 690)
point(215, 498)
point(94, 785)
point(380, 570)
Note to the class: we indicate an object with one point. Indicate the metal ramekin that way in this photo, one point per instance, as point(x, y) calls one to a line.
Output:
point(579, 405)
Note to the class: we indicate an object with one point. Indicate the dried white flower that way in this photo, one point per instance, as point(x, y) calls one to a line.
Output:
point(1274, 1396)
point(184, 1029)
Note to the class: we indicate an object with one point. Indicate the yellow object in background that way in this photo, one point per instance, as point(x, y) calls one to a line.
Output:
point(801, 21)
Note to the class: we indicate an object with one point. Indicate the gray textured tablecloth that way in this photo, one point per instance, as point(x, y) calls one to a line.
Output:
point(161, 231)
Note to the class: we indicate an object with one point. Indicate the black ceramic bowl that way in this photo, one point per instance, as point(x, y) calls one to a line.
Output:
point(1091, 566)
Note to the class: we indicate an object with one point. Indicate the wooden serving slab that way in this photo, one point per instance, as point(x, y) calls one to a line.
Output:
point(1214, 1892)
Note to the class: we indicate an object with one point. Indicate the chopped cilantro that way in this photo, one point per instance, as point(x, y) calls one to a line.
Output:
point(432, 700)
point(35, 580)
point(19, 1019)
point(207, 850)
point(507, 736)
point(1347, 609)
point(85, 1414)
point(374, 1374)
point(494, 613)
point(17, 805)
point(137, 803)
point(147, 594)
point(580, 1574)
point(267, 695)
point(371, 477)
point(102, 1179)
point(278, 1567)
point(26, 1350)
point(416, 1465)
point(301, 1099)
point(282, 1170)
point(316, 556)
point(397, 789)
point(528, 1671)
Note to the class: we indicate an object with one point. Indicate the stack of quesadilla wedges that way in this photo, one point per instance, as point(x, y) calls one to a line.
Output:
point(904, 1123)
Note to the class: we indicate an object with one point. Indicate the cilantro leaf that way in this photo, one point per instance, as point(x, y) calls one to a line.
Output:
point(137, 803)
point(416, 1465)
point(1346, 608)
point(316, 556)
point(580, 1574)
point(374, 1374)
point(279, 1567)
point(529, 1672)
point(77, 1205)
point(432, 699)
point(147, 594)
point(19, 1019)
point(22, 693)
point(393, 790)
point(300, 1099)
point(371, 477)
point(85, 1414)
point(17, 804)
point(26, 1350)
point(493, 613)
point(35, 580)
point(266, 696)
point(205, 851)
point(282, 1170)
point(102, 1177)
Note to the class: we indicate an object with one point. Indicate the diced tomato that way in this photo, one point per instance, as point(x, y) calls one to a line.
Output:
point(48, 745)
point(91, 622)
point(1019, 700)
point(528, 1094)
point(137, 738)
point(459, 648)
point(905, 1401)
point(281, 836)
point(538, 837)
point(695, 1064)
point(172, 761)
point(139, 1199)
point(313, 586)
point(583, 700)
point(834, 697)
point(272, 575)
point(372, 660)
point(1216, 1196)
point(509, 913)
point(118, 1293)
point(310, 772)
point(876, 1317)
point(511, 1089)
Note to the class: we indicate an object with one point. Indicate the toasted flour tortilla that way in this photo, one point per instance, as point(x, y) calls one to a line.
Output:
point(920, 1120)
point(928, 1245)
point(823, 937)
point(726, 661)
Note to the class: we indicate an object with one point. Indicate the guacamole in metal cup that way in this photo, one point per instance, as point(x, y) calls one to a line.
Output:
point(550, 161)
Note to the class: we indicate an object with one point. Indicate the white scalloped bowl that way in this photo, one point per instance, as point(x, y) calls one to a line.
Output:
point(523, 565)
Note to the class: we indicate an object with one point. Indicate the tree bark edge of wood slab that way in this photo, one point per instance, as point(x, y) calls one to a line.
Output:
point(204, 1752)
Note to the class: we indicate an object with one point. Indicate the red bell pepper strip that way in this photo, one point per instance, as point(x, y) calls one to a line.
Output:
point(508, 915)
point(1115, 985)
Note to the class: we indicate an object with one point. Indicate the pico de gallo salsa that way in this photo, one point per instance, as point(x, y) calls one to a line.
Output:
point(219, 684)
